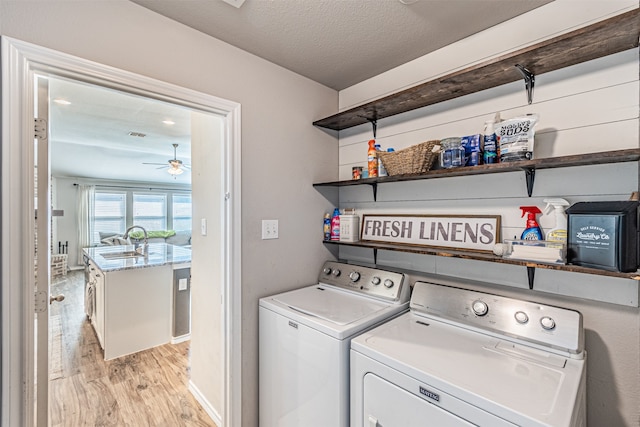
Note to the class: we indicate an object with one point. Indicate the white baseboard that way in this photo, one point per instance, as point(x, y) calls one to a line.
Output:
point(181, 338)
point(210, 410)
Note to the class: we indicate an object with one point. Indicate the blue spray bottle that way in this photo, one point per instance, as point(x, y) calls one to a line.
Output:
point(532, 230)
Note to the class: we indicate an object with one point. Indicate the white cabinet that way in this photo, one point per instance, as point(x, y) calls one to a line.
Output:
point(132, 309)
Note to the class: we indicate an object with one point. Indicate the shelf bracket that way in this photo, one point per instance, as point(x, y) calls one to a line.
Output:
point(530, 176)
point(374, 125)
point(375, 256)
point(529, 81)
point(531, 272)
point(374, 187)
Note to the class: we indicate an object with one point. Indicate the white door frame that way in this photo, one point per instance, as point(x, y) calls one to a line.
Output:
point(20, 61)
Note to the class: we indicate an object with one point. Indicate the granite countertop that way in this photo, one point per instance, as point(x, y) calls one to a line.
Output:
point(159, 254)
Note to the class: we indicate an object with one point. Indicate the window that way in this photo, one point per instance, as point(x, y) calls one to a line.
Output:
point(110, 214)
point(150, 211)
point(181, 211)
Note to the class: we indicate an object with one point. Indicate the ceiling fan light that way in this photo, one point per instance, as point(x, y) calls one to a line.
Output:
point(175, 171)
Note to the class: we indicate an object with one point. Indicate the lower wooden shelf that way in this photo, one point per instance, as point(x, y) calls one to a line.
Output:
point(478, 256)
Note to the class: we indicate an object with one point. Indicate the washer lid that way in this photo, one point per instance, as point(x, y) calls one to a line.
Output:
point(338, 307)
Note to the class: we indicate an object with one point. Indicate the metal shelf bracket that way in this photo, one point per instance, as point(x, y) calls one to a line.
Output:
point(374, 125)
point(531, 272)
point(530, 176)
point(529, 81)
point(374, 187)
point(375, 256)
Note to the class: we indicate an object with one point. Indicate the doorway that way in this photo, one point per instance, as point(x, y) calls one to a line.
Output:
point(21, 63)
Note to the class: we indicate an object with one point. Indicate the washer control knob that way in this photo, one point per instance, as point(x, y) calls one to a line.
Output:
point(480, 308)
point(336, 272)
point(375, 280)
point(388, 283)
point(548, 323)
point(326, 270)
point(521, 317)
point(354, 276)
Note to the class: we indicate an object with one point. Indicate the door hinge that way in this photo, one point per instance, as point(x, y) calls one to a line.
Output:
point(41, 302)
point(40, 129)
point(227, 196)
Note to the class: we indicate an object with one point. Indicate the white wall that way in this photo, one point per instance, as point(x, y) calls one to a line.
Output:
point(586, 108)
point(282, 153)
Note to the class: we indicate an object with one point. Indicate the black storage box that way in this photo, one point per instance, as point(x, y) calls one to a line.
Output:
point(603, 235)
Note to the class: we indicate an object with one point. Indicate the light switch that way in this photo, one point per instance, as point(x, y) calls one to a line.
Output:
point(182, 284)
point(203, 226)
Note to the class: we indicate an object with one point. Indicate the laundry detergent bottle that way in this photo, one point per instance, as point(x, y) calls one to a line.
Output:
point(372, 159)
point(559, 232)
point(532, 230)
point(335, 225)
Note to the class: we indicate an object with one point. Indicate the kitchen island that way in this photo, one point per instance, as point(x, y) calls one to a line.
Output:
point(131, 295)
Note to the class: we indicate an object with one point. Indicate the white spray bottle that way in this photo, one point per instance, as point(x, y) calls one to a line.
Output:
point(559, 232)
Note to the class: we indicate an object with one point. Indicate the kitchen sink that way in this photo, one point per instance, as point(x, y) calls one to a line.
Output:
point(125, 254)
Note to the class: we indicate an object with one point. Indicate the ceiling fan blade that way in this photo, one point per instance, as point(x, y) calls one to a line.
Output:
point(163, 164)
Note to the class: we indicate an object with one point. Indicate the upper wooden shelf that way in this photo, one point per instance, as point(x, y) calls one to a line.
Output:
point(603, 38)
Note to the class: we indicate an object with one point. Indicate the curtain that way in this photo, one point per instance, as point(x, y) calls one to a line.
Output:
point(85, 213)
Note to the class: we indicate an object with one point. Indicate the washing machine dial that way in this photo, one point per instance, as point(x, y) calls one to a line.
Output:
point(521, 317)
point(375, 280)
point(336, 272)
point(548, 323)
point(326, 271)
point(354, 276)
point(388, 283)
point(480, 308)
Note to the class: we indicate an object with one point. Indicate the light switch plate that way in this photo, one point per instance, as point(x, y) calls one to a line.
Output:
point(269, 229)
point(203, 226)
point(182, 284)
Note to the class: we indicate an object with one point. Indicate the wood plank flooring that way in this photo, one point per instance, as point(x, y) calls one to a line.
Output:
point(149, 388)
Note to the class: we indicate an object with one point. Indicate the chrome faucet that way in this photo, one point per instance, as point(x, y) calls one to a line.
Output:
point(145, 244)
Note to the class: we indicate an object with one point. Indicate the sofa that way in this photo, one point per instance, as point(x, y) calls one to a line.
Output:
point(178, 238)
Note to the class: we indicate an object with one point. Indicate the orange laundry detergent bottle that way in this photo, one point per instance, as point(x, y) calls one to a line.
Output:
point(372, 159)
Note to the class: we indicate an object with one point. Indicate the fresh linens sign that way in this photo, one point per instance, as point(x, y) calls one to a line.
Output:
point(467, 232)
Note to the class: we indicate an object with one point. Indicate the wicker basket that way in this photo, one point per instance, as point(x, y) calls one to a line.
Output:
point(415, 159)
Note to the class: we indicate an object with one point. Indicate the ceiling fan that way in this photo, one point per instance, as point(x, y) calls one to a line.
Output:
point(175, 166)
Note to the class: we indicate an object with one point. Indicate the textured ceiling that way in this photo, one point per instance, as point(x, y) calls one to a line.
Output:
point(341, 42)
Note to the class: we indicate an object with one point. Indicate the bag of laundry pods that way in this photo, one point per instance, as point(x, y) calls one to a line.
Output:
point(515, 137)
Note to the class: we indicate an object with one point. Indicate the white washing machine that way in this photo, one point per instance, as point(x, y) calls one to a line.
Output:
point(305, 338)
point(462, 358)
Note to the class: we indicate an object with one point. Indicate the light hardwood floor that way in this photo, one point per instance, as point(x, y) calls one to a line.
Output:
point(149, 388)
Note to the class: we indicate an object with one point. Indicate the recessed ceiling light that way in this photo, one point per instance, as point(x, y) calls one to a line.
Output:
point(168, 122)
point(61, 101)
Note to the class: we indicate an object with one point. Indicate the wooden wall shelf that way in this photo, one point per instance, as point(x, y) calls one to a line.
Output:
point(528, 166)
point(603, 38)
point(451, 253)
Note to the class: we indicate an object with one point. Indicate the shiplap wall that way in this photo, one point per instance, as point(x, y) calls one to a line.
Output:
point(586, 108)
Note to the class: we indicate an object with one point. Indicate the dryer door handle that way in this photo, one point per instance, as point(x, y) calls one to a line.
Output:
point(373, 421)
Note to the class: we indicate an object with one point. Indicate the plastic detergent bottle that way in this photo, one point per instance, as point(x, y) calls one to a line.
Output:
point(335, 225)
point(381, 170)
point(372, 159)
point(490, 149)
point(327, 226)
point(532, 230)
point(559, 232)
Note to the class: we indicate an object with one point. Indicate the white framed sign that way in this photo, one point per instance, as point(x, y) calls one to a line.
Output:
point(466, 232)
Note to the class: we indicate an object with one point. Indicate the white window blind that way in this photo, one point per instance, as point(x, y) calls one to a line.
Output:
point(150, 211)
point(182, 211)
point(110, 214)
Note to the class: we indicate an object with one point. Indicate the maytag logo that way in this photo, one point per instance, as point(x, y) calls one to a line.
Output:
point(430, 394)
point(293, 325)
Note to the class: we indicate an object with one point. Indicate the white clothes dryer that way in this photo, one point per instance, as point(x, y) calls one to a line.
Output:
point(462, 358)
point(305, 338)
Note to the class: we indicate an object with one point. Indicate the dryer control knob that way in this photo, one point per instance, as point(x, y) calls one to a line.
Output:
point(548, 323)
point(326, 270)
point(336, 272)
point(480, 308)
point(354, 276)
point(388, 283)
point(375, 280)
point(521, 317)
